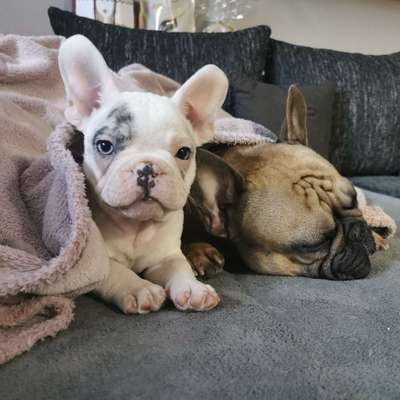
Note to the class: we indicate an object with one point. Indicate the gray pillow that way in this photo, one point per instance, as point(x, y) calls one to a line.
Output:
point(266, 104)
point(366, 122)
point(177, 55)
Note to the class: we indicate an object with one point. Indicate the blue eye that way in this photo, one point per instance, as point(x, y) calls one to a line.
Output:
point(104, 147)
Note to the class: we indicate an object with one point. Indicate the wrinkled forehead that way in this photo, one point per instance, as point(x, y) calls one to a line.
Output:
point(142, 117)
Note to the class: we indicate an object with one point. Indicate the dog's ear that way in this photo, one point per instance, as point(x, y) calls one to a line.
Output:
point(295, 126)
point(215, 191)
point(201, 97)
point(230, 182)
point(87, 79)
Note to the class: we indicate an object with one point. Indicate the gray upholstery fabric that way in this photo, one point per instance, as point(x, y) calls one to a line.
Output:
point(178, 55)
point(385, 184)
point(366, 125)
point(272, 337)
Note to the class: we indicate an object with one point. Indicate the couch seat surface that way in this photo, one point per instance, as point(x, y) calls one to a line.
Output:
point(272, 337)
point(385, 184)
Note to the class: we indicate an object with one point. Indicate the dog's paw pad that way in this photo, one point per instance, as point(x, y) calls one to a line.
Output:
point(205, 259)
point(194, 295)
point(143, 300)
point(182, 298)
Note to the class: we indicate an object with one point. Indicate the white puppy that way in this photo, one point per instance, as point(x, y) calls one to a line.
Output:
point(139, 160)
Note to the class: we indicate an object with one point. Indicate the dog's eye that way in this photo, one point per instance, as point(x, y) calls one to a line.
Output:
point(104, 147)
point(183, 153)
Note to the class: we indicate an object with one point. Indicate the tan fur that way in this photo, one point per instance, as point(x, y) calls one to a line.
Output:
point(294, 198)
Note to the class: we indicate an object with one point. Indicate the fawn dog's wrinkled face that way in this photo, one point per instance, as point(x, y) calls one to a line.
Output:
point(139, 148)
point(297, 214)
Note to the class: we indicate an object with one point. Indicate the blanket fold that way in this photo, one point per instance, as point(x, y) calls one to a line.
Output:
point(49, 245)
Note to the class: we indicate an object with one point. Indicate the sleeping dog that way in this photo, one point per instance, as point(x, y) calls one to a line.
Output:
point(287, 209)
point(139, 161)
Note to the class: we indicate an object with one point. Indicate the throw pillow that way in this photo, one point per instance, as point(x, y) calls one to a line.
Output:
point(177, 55)
point(366, 121)
point(266, 104)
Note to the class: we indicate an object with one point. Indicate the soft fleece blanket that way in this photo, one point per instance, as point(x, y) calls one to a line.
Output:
point(49, 245)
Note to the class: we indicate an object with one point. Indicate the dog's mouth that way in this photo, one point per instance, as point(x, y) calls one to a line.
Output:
point(143, 209)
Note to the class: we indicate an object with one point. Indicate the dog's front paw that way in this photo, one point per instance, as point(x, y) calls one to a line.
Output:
point(205, 259)
point(193, 295)
point(142, 299)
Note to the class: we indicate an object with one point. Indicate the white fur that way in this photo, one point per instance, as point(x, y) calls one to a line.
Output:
point(142, 237)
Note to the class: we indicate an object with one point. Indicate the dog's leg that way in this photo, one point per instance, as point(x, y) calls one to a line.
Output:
point(132, 294)
point(177, 277)
point(204, 258)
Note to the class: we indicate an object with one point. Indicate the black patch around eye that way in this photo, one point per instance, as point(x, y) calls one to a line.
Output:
point(99, 132)
point(121, 140)
point(121, 115)
point(183, 153)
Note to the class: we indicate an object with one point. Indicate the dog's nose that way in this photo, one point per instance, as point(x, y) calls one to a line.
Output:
point(147, 169)
point(145, 178)
point(358, 232)
point(352, 262)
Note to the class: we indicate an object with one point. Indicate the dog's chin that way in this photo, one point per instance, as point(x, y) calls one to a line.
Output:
point(143, 210)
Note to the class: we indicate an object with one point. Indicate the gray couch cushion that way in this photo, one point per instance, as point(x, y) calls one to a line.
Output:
point(366, 125)
point(272, 337)
point(385, 184)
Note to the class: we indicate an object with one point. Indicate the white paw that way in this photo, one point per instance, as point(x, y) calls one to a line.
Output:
point(142, 299)
point(193, 295)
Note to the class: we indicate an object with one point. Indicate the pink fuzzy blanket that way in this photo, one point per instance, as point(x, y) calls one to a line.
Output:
point(50, 248)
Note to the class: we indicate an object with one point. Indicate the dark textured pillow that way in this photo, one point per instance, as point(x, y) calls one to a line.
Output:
point(266, 104)
point(366, 124)
point(177, 55)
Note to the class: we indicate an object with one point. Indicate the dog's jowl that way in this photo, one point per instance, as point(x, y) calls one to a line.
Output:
point(139, 161)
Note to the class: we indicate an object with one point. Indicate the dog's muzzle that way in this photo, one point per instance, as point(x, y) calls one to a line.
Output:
point(145, 179)
point(350, 259)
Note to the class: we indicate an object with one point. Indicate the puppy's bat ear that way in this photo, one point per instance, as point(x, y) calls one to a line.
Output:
point(294, 130)
point(87, 79)
point(201, 97)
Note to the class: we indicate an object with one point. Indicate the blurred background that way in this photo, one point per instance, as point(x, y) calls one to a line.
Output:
point(366, 26)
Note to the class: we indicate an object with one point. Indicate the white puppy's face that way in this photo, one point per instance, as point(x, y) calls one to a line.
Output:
point(139, 148)
point(140, 155)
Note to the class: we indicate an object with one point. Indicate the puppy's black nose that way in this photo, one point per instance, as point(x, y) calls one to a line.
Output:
point(146, 170)
point(145, 180)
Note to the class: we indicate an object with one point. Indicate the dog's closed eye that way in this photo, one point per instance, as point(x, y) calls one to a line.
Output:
point(314, 247)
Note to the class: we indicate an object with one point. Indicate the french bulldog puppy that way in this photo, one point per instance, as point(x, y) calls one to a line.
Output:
point(139, 161)
point(294, 215)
